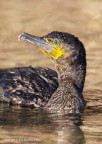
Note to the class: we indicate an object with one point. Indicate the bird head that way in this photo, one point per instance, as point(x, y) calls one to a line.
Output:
point(60, 46)
point(56, 44)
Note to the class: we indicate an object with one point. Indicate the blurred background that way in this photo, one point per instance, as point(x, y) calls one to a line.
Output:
point(83, 18)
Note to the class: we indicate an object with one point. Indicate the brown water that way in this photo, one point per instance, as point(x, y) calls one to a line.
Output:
point(82, 18)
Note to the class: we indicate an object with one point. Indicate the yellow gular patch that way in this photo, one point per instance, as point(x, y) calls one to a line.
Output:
point(55, 52)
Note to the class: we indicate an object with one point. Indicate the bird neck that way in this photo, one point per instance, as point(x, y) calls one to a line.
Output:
point(63, 72)
point(68, 95)
point(73, 68)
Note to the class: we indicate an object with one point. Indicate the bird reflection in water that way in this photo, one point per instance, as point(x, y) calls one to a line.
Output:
point(47, 128)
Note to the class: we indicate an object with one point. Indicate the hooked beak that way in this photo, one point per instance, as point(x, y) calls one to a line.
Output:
point(40, 41)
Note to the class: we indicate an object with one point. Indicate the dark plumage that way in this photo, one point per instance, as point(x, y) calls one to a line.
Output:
point(37, 87)
point(27, 86)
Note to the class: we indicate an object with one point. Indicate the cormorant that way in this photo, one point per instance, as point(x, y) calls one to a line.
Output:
point(42, 87)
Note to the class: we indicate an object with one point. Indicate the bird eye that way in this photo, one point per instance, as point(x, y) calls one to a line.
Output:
point(56, 41)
